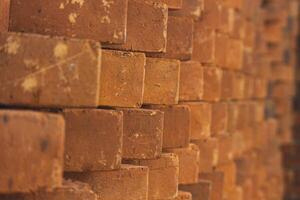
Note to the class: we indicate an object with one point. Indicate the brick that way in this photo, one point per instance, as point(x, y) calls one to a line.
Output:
point(212, 14)
point(93, 139)
point(191, 81)
point(260, 88)
point(199, 191)
point(122, 79)
point(221, 50)
point(219, 118)
point(212, 83)
point(190, 8)
point(209, 152)
point(229, 170)
point(225, 145)
point(172, 4)
point(146, 27)
point(189, 158)
point(177, 128)
point(183, 196)
point(237, 25)
point(4, 15)
point(235, 54)
point(217, 183)
point(163, 176)
point(238, 86)
point(52, 72)
point(249, 87)
point(228, 80)
point(226, 19)
point(233, 114)
point(30, 137)
point(142, 133)
point(200, 119)
point(68, 191)
point(161, 81)
point(100, 21)
point(130, 182)
point(235, 193)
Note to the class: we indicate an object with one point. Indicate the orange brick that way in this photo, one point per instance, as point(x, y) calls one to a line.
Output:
point(209, 152)
point(260, 88)
point(249, 87)
point(52, 72)
point(122, 79)
point(163, 176)
point(146, 27)
point(229, 170)
point(183, 196)
point(235, 194)
point(235, 54)
point(200, 191)
point(190, 8)
point(161, 81)
point(238, 90)
point(221, 50)
point(237, 24)
point(212, 83)
point(217, 183)
point(4, 15)
point(93, 139)
point(33, 142)
point(233, 114)
point(212, 14)
point(200, 119)
point(177, 129)
point(142, 133)
point(189, 158)
point(172, 4)
point(225, 145)
point(130, 181)
point(228, 80)
point(80, 19)
point(219, 118)
point(236, 4)
point(191, 81)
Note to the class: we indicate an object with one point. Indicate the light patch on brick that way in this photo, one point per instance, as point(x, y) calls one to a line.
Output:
point(29, 84)
point(60, 50)
point(105, 19)
point(80, 2)
point(62, 6)
point(72, 18)
point(12, 45)
point(32, 63)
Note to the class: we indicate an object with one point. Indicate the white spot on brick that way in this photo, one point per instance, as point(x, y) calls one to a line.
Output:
point(29, 84)
point(62, 6)
point(72, 18)
point(105, 19)
point(13, 44)
point(60, 50)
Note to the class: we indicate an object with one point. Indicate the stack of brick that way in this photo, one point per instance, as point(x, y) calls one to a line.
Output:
point(145, 99)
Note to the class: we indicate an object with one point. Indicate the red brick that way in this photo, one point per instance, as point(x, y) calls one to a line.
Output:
point(68, 191)
point(161, 81)
point(199, 191)
point(238, 89)
point(233, 114)
point(235, 54)
point(235, 194)
point(101, 21)
point(189, 158)
point(228, 80)
point(219, 118)
point(190, 8)
point(217, 183)
point(172, 4)
point(4, 15)
point(212, 14)
point(209, 152)
point(143, 133)
point(183, 196)
point(52, 72)
point(260, 88)
point(225, 145)
point(212, 83)
point(122, 79)
point(163, 176)
point(200, 119)
point(146, 27)
point(33, 142)
point(191, 81)
point(221, 50)
point(249, 87)
point(129, 182)
point(229, 170)
point(177, 128)
point(93, 139)
point(236, 4)
point(237, 25)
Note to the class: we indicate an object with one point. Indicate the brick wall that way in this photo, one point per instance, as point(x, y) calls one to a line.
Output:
point(148, 99)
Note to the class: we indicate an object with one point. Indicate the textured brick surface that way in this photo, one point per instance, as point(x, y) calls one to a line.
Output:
point(200, 190)
point(4, 15)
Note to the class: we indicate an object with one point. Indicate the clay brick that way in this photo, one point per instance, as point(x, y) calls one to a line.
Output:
point(217, 183)
point(233, 114)
point(189, 158)
point(237, 25)
point(209, 152)
point(161, 81)
point(183, 196)
point(101, 21)
point(4, 15)
point(122, 79)
point(249, 87)
point(235, 54)
point(226, 19)
point(68, 191)
point(212, 83)
point(177, 128)
point(130, 182)
point(163, 176)
point(229, 170)
point(236, 4)
point(225, 145)
point(146, 27)
point(191, 81)
point(235, 193)
point(33, 142)
point(212, 14)
point(260, 88)
point(238, 89)
point(172, 4)
point(93, 139)
point(200, 119)
point(52, 72)
point(200, 191)
point(219, 118)
point(142, 133)
point(190, 8)
point(221, 50)
point(228, 80)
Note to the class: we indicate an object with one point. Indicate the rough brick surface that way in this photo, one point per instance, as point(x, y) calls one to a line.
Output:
point(219, 118)
point(4, 15)
point(94, 139)
point(229, 170)
point(217, 183)
point(183, 196)
point(122, 79)
point(130, 182)
point(33, 142)
point(191, 81)
point(101, 21)
point(163, 176)
point(143, 133)
point(172, 4)
point(212, 77)
point(177, 128)
point(146, 27)
point(200, 191)
point(53, 72)
point(190, 8)
point(161, 81)
point(212, 14)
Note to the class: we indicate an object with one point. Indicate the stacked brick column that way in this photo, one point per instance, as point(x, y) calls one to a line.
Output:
point(145, 99)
